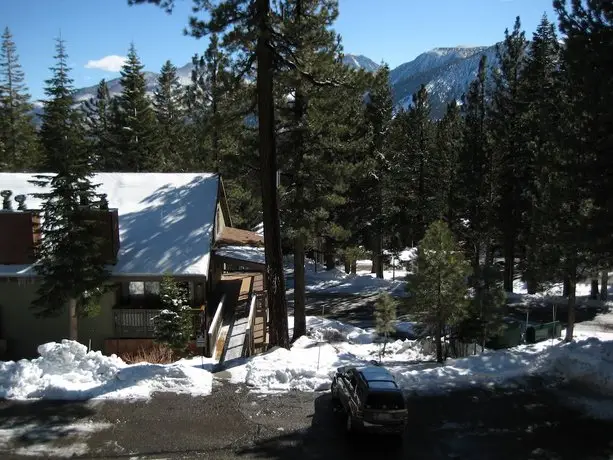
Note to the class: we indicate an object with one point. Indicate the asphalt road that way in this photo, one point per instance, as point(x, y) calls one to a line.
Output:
point(527, 423)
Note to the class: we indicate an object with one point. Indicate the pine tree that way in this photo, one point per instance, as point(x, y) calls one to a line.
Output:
point(445, 166)
point(209, 105)
point(218, 103)
point(246, 26)
point(478, 192)
point(540, 122)
point(313, 126)
point(17, 131)
point(385, 318)
point(583, 227)
point(378, 114)
point(102, 129)
point(173, 325)
point(507, 133)
point(413, 169)
point(70, 263)
point(439, 290)
point(477, 171)
point(169, 109)
point(138, 137)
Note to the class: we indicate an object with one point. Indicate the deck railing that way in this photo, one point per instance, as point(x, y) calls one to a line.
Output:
point(216, 323)
point(136, 323)
point(249, 346)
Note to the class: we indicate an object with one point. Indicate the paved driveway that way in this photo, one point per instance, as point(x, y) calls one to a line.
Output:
point(527, 423)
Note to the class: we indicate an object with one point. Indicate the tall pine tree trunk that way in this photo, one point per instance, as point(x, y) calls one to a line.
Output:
point(594, 287)
point(572, 291)
point(329, 254)
point(439, 343)
point(565, 287)
point(604, 284)
point(299, 288)
point(347, 265)
point(509, 261)
point(73, 333)
point(268, 161)
point(378, 255)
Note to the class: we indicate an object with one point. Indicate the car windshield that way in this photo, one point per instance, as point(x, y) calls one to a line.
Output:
point(385, 400)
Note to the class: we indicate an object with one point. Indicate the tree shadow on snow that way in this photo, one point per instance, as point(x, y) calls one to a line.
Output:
point(172, 231)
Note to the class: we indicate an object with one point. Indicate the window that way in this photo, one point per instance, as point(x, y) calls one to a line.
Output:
point(141, 294)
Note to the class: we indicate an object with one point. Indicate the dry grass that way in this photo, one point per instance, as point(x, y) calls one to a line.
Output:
point(156, 354)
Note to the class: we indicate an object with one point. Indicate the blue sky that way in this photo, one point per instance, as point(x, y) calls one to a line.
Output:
point(394, 31)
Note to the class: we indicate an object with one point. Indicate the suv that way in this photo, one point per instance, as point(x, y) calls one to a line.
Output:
point(370, 398)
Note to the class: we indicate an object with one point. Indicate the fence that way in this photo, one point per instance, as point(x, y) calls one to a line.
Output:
point(452, 348)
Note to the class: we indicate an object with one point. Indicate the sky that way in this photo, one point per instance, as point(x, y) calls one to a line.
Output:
point(99, 32)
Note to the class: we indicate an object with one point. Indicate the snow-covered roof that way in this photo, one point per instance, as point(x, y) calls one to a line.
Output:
point(246, 253)
point(165, 220)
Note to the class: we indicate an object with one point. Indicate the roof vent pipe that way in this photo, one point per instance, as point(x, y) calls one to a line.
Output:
point(21, 202)
point(6, 200)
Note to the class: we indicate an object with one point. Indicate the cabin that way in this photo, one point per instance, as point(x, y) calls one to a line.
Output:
point(151, 225)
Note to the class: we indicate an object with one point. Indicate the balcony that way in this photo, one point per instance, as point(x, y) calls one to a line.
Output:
point(137, 323)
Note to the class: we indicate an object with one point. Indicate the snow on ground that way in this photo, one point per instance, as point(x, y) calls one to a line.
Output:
point(553, 293)
point(68, 371)
point(312, 361)
point(337, 282)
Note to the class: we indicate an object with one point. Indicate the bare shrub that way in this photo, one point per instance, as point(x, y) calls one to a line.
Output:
point(156, 354)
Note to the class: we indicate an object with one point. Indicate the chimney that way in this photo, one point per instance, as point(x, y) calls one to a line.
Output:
point(6, 200)
point(21, 202)
point(104, 203)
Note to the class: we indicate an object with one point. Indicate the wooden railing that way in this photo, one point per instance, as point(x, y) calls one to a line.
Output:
point(249, 346)
point(216, 323)
point(138, 322)
point(134, 323)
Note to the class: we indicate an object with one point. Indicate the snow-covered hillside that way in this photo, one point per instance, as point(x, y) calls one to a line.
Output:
point(357, 61)
point(447, 72)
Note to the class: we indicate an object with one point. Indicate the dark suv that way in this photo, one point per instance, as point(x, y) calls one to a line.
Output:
point(370, 398)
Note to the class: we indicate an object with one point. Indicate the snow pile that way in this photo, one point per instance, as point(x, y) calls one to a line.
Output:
point(329, 330)
point(588, 363)
point(486, 369)
point(67, 370)
point(312, 361)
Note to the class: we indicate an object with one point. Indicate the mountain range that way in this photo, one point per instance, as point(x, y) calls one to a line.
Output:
point(446, 72)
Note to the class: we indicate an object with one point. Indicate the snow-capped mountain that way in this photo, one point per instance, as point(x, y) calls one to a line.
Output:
point(184, 73)
point(357, 61)
point(446, 72)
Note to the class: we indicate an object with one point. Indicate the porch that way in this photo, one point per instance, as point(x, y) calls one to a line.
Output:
point(233, 322)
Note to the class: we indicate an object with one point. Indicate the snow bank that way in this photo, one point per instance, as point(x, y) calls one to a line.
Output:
point(67, 370)
point(312, 361)
point(588, 363)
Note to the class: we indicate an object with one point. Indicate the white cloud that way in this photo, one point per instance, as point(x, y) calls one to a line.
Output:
point(110, 63)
